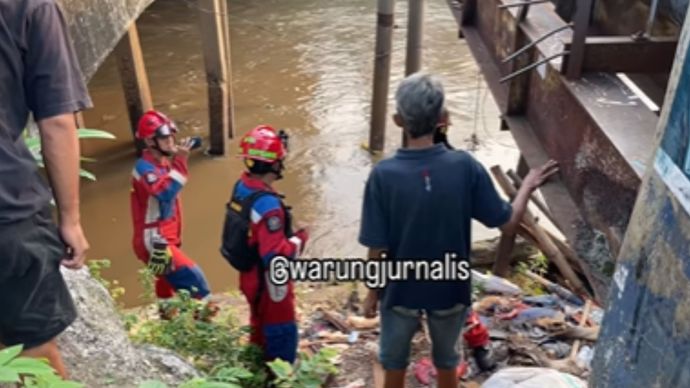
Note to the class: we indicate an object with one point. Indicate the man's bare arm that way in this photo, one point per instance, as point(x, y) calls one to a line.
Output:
point(535, 178)
point(375, 253)
point(371, 300)
point(60, 147)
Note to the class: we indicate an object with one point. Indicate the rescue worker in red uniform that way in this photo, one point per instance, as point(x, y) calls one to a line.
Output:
point(476, 335)
point(268, 234)
point(157, 179)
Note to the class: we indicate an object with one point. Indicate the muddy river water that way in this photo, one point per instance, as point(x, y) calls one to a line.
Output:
point(302, 65)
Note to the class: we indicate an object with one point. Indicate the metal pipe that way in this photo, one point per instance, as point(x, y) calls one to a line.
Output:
point(652, 17)
point(535, 42)
point(520, 4)
point(532, 66)
point(382, 69)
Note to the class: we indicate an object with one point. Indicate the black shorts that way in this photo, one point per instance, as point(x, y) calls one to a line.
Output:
point(35, 304)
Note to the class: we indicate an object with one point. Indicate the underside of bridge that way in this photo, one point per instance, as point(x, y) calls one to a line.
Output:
point(97, 26)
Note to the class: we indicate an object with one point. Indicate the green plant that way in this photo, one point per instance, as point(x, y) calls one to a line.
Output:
point(310, 372)
point(538, 264)
point(33, 142)
point(196, 383)
point(214, 346)
point(147, 281)
point(477, 290)
point(113, 286)
point(30, 372)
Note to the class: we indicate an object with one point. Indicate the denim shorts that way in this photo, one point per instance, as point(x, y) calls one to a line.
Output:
point(399, 324)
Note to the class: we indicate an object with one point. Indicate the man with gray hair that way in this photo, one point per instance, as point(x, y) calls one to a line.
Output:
point(418, 205)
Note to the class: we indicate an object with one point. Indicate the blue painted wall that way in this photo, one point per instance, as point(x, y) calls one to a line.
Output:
point(645, 338)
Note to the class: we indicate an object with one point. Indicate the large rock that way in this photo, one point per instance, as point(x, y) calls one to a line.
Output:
point(97, 350)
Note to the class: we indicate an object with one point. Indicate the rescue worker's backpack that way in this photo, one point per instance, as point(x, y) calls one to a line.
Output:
point(235, 246)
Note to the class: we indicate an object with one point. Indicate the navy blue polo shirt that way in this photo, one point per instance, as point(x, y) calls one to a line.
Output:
point(419, 205)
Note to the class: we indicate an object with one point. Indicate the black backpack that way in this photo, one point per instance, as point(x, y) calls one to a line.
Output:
point(235, 239)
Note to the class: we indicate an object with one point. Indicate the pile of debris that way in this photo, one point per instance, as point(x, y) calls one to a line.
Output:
point(556, 330)
point(551, 334)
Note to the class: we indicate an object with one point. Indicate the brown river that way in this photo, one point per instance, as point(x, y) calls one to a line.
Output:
point(302, 65)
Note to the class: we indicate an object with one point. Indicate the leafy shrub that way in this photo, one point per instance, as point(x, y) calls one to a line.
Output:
point(33, 142)
point(310, 372)
point(213, 346)
point(113, 286)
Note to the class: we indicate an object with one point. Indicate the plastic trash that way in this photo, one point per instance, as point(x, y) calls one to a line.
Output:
point(352, 338)
point(584, 357)
point(359, 383)
point(495, 284)
point(533, 378)
point(424, 371)
point(542, 301)
point(556, 349)
point(534, 313)
point(596, 315)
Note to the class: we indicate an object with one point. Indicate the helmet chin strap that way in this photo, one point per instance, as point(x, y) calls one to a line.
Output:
point(278, 171)
point(158, 148)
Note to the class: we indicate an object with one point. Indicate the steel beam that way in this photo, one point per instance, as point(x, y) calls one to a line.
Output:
point(623, 54)
point(594, 126)
point(583, 13)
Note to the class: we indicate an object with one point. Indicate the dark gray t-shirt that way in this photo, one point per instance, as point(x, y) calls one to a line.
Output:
point(419, 205)
point(39, 73)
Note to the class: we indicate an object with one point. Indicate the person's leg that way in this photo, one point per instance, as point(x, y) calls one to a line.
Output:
point(446, 378)
point(444, 329)
point(278, 321)
point(187, 275)
point(50, 352)
point(398, 326)
point(36, 303)
point(164, 292)
point(249, 286)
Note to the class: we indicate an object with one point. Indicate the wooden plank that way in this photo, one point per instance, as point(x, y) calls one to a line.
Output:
point(546, 245)
point(135, 83)
point(415, 34)
point(215, 60)
point(583, 320)
point(382, 68)
point(522, 167)
point(561, 204)
point(504, 255)
point(225, 15)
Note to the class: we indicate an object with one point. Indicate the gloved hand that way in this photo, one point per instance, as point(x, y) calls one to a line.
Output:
point(303, 234)
point(160, 262)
